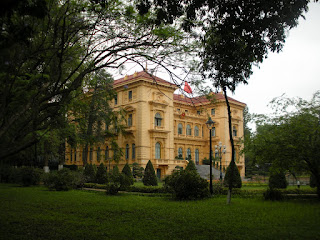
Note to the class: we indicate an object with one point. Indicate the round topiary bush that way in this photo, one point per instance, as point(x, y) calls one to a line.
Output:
point(278, 180)
point(149, 177)
point(59, 180)
point(232, 176)
point(187, 185)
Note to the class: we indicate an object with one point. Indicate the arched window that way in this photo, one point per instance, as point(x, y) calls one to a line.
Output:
point(157, 120)
point(189, 154)
point(234, 131)
point(213, 131)
point(188, 130)
point(133, 151)
point(196, 131)
point(106, 153)
point(196, 153)
point(180, 128)
point(158, 151)
point(180, 152)
point(127, 151)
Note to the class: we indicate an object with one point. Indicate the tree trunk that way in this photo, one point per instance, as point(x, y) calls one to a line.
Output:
point(232, 144)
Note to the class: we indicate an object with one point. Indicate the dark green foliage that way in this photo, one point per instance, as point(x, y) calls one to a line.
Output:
point(137, 171)
point(273, 194)
point(89, 173)
point(191, 166)
point(71, 167)
point(278, 180)
point(101, 176)
point(127, 171)
point(5, 173)
point(149, 178)
point(232, 176)
point(114, 184)
point(59, 180)
point(205, 161)
point(28, 176)
point(112, 188)
point(187, 185)
point(313, 182)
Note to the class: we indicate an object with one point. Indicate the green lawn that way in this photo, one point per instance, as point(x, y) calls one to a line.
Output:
point(36, 213)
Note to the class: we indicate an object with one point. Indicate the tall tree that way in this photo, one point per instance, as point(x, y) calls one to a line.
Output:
point(61, 43)
point(234, 35)
point(290, 140)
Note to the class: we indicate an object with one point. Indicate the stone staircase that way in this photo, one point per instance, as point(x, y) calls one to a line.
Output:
point(204, 171)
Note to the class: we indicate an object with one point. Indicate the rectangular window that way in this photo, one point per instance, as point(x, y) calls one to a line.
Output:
point(186, 111)
point(130, 120)
point(133, 151)
point(130, 95)
point(213, 111)
point(116, 99)
point(178, 109)
point(91, 154)
point(198, 112)
point(75, 154)
point(98, 154)
point(70, 155)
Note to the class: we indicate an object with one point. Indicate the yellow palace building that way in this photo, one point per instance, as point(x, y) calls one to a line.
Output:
point(167, 128)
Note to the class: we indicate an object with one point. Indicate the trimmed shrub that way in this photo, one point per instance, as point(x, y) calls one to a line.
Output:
point(101, 176)
point(127, 171)
point(28, 176)
point(273, 194)
point(232, 176)
point(59, 180)
point(278, 180)
point(149, 178)
point(191, 166)
point(187, 185)
point(137, 171)
point(112, 188)
point(71, 167)
point(89, 173)
point(205, 161)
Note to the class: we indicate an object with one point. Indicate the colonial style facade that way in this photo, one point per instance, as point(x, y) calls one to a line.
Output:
point(167, 128)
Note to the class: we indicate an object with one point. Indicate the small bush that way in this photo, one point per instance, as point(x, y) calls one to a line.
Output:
point(232, 176)
point(273, 194)
point(112, 188)
point(149, 178)
point(218, 188)
point(205, 161)
point(28, 176)
point(191, 166)
point(101, 176)
point(59, 180)
point(89, 173)
point(278, 180)
point(137, 171)
point(187, 185)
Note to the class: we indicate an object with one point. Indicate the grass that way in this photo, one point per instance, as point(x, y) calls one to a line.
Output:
point(36, 213)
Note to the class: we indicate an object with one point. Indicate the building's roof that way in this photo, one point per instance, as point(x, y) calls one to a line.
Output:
point(142, 74)
point(202, 99)
point(176, 97)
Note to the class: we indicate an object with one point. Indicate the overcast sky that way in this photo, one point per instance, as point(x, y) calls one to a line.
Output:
point(295, 71)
